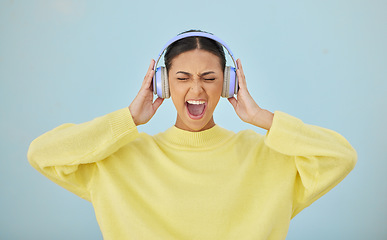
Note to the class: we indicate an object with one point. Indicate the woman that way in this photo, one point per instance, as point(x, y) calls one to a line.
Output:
point(196, 180)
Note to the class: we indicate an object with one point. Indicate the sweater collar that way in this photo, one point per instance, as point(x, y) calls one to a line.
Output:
point(183, 139)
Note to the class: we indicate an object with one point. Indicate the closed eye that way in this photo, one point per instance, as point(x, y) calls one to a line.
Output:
point(209, 79)
point(182, 79)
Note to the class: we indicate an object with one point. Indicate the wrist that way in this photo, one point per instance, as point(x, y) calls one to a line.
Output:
point(263, 119)
point(131, 114)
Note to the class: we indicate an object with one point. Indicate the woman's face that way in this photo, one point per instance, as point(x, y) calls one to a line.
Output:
point(195, 82)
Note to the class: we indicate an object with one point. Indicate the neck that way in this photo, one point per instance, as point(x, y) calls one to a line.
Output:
point(193, 128)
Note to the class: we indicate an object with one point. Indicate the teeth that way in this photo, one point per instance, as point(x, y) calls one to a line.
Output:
point(195, 102)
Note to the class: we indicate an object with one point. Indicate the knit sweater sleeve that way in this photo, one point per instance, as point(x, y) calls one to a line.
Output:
point(66, 154)
point(322, 157)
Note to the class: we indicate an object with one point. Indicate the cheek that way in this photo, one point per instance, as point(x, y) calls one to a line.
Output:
point(215, 90)
point(177, 94)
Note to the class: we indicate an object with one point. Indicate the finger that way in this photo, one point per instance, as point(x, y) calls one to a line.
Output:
point(157, 103)
point(240, 81)
point(148, 80)
point(149, 75)
point(233, 101)
point(149, 71)
point(239, 64)
point(151, 65)
point(241, 74)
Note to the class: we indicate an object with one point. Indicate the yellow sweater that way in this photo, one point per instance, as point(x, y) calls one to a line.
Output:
point(213, 184)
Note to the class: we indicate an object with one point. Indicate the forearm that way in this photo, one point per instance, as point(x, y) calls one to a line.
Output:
point(72, 144)
point(321, 156)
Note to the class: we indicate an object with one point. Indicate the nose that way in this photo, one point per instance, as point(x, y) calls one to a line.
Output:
point(197, 86)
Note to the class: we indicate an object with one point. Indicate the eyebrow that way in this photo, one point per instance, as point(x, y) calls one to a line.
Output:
point(203, 74)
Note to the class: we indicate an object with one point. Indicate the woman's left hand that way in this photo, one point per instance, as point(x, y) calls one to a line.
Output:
point(245, 106)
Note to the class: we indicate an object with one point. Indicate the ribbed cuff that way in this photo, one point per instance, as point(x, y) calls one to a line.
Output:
point(283, 134)
point(121, 122)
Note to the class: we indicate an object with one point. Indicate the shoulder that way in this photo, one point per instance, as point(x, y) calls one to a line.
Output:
point(249, 139)
point(143, 137)
point(248, 134)
point(142, 141)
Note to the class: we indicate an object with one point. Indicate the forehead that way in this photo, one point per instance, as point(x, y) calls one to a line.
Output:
point(196, 59)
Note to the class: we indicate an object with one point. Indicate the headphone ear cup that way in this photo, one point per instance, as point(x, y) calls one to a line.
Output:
point(234, 87)
point(160, 83)
point(226, 82)
point(157, 82)
point(165, 83)
point(230, 83)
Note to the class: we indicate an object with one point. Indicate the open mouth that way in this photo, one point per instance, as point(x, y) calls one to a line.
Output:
point(196, 108)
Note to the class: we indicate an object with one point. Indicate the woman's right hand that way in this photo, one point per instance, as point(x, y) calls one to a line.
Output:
point(143, 108)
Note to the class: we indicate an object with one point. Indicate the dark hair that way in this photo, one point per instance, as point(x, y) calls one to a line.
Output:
point(191, 43)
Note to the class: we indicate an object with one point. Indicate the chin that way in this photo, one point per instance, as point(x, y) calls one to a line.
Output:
point(197, 128)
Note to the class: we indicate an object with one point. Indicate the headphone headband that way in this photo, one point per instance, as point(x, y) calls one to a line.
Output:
point(196, 34)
